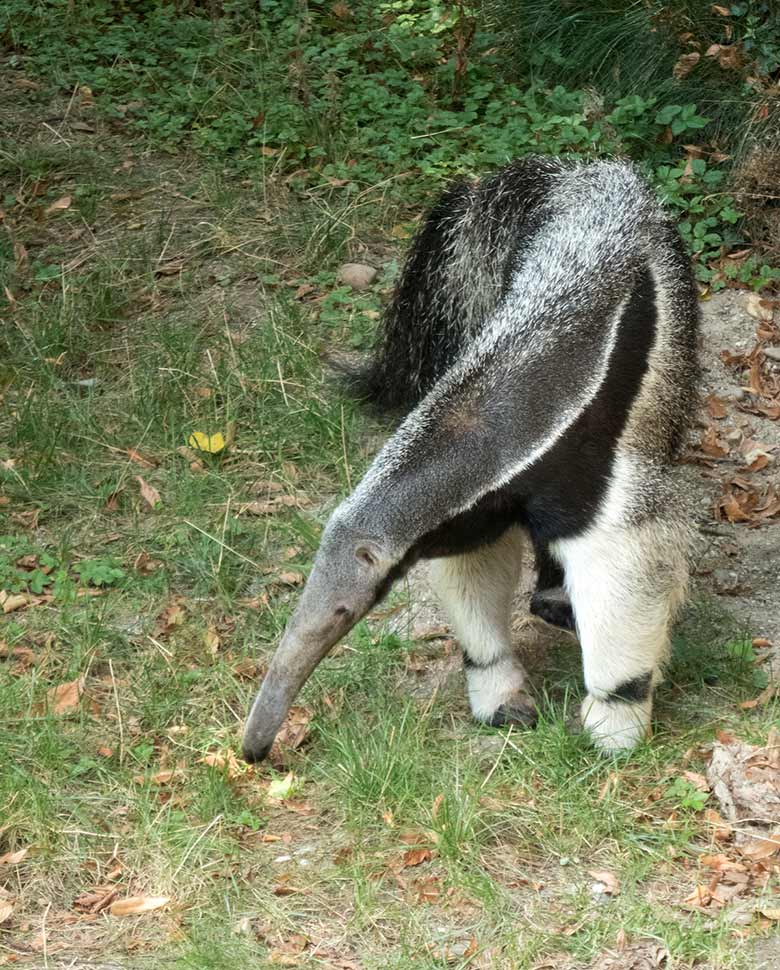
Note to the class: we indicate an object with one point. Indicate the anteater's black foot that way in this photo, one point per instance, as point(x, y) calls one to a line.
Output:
point(519, 710)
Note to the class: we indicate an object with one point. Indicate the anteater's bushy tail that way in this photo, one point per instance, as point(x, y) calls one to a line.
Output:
point(456, 272)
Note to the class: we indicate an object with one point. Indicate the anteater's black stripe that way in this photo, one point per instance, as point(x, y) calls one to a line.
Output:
point(632, 691)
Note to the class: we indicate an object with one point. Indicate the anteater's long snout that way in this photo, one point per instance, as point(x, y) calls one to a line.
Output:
point(293, 663)
point(323, 616)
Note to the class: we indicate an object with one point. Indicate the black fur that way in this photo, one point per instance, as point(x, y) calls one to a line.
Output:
point(426, 325)
point(632, 691)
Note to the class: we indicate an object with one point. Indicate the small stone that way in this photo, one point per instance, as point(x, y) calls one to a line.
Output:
point(734, 393)
point(357, 275)
point(772, 353)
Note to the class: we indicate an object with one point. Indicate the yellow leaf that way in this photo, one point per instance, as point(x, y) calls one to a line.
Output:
point(134, 905)
point(212, 444)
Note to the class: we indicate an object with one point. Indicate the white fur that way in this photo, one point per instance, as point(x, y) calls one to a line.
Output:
point(625, 580)
point(476, 591)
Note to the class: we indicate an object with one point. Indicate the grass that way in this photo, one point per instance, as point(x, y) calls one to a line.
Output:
point(168, 298)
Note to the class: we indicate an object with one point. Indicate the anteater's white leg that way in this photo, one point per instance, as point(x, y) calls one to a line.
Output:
point(625, 582)
point(476, 591)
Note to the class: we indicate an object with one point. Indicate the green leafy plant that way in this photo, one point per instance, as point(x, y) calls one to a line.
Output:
point(687, 795)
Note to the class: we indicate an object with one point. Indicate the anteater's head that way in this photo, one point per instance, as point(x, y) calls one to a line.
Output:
point(351, 573)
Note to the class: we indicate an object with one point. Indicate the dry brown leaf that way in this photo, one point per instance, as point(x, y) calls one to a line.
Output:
point(766, 695)
point(96, 900)
point(721, 830)
point(225, 761)
point(11, 602)
point(295, 729)
point(290, 578)
point(160, 777)
point(698, 781)
point(415, 857)
point(13, 858)
point(712, 445)
point(140, 459)
point(607, 879)
point(274, 504)
point(211, 639)
point(6, 909)
point(170, 268)
point(149, 494)
point(716, 406)
point(135, 905)
point(59, 205)
point(172, 616)
point(759, 308)
point(772, 914)
point(65, 697)
point(685, 64)
point(761, 848)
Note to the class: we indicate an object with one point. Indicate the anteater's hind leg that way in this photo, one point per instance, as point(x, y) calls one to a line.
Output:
point(476, 590)
point(625, 585)
point(550, 601)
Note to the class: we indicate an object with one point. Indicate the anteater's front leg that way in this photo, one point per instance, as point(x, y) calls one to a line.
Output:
point(476, 591)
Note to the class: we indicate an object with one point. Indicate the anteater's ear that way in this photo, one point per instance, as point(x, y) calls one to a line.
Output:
point(370, 554)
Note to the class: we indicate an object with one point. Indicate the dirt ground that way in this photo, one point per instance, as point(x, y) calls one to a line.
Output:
point(737, 562)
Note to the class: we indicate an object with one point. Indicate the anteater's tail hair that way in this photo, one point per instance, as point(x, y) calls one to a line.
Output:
point(456, 272)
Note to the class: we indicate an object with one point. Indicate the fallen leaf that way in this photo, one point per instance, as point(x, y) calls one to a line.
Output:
point(211, 639)
point(761, 848)
point(140, 459)
point(159, 778)
point(65, 697)
point(415, 857)
point(712, 445)
point(211, 444)
point(607, 879)
point(172, 616)
point(135, 905)
point(273, 505)
point(59, 205)
point(698, 781)
point(6, 909)
point(759, 308)
point(295, 729)
point(281, 788)
point(96, 900)
point(290, 578)
point(226, 761)
point(13, 858)
point(170, 267)
point(766, 912)
point(685, 64)
point(149, 494)
point(716, 406)
point(12, 601)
